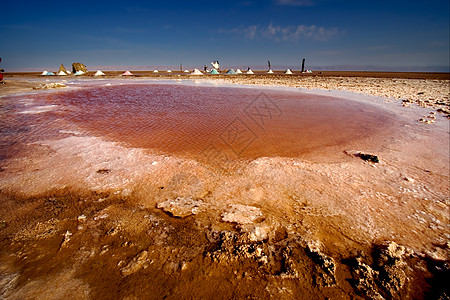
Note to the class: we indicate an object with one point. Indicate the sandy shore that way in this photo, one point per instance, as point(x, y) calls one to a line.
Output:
point(86, 217)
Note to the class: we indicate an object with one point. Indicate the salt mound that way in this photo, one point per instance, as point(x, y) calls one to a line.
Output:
point(169, 71)
point(127, 73)
point(196, 72)
point(61, 73)
point(238, 71)
point(155, 71)
point(186, 71)
point(288, 72)
point(50, 73)
point(270, 71)
point(99, 73)
point(78, 73)
point(250, 71)
point(231, 72)
point(214, 72)
point(44, 73)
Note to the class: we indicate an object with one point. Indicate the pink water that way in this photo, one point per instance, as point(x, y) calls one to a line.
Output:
point(214, 122)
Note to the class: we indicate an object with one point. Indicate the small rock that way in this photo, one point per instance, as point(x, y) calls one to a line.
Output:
point(104, 171)
point(66, 238)
point(326, 266)
point(409, 179)
point(135, 264)
point(182, 207)
point(241, 214)
point(256, 233)
point(369, 157)
point(365, 280)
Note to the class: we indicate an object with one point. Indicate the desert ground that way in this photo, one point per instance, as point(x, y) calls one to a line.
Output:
point(89, 214)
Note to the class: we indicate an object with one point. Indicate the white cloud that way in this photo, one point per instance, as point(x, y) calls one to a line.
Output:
point(284, 34)
point(295, 2)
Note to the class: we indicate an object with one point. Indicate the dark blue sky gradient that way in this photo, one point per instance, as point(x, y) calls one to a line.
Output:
point(394, 34)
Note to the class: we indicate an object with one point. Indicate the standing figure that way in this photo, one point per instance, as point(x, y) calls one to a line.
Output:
point(1, 74)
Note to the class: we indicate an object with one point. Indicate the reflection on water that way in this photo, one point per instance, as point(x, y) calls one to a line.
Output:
point(213, 122)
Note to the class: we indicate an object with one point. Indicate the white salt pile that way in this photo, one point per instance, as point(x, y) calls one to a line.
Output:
point(127, 73)
point(288, 72)
point(61, 73)
point(250, 71)
point(196, 72)
point(270, 71)
point(99, 73)
point(238, 71)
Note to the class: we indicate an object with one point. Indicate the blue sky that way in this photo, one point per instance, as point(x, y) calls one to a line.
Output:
point(395, 34)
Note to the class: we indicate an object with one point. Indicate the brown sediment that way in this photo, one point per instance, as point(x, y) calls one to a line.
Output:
point(79, 214)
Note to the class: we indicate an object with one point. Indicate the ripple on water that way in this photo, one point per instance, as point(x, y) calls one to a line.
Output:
point(219, 122)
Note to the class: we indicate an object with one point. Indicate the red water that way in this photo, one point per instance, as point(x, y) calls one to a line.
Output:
point(222, 122)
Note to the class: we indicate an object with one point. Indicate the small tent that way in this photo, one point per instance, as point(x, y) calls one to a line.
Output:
point(44, 73)
point(127, 73)
point(77, 73)
point(238, 71)
point(79, 67)
point(231, 72)
point(250, 71)
point(270, 71)
point(99, 73)
point(196, 72)
point(288, 72)
point(214, 72)
point(62, 70)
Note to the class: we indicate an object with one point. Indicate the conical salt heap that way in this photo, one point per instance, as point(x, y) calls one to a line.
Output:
point(196, 72)
point(99, 73)
point(127, 73)
point(288, 72)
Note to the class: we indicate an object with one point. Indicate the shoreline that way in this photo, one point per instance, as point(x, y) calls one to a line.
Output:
point(423, 89)
point(297, 213)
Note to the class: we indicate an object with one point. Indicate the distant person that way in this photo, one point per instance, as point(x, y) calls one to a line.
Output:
point(1, 73)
